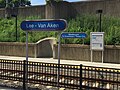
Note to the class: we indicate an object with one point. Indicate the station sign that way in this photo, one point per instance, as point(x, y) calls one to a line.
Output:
point(44, 25)
point(73, 35)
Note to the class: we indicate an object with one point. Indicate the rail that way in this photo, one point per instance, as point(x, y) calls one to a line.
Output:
point(71, 76)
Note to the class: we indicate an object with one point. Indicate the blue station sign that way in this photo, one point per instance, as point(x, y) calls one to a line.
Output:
point(73, 35)
point(44, 25)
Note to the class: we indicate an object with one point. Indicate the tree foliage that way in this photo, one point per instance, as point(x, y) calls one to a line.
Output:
point(14, 3)
point(82, 23)
point(52, 1)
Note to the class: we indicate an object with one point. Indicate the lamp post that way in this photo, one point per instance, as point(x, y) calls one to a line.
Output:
point(15, 26)
point(14, 14)
point(100, 18)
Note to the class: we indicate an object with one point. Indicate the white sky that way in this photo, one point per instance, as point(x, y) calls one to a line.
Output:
point(42, 2)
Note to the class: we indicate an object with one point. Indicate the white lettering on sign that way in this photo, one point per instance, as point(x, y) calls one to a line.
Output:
point(50, 25)
point(30, 25)
point(40, 25)
point(73, 34)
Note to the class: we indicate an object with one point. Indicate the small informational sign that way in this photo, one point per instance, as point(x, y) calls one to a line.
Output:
point(97, 41)
point(44, 25)
point(73, 35)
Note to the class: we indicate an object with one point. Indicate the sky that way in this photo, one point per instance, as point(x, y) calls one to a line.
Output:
point(42, 2)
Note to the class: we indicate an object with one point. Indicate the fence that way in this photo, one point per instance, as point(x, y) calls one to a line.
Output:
point(70, 76)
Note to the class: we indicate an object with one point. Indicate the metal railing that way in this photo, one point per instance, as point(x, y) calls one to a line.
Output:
point(71, 76)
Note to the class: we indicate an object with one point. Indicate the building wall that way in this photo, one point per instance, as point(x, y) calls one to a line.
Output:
point(109, 7)
point(66, 9)
point(32, 11)
point(26, 11)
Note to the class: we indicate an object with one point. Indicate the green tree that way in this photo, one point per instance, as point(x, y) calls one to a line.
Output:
point(14, 3)
point(51, 1)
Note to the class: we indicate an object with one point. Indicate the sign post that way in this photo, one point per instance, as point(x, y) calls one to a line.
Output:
point(42, 25)
point(96, 43)
point(67, 35)
point(58, 73)
point(26, 64)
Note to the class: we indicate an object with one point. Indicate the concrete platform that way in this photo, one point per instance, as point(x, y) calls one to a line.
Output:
point(71, 62)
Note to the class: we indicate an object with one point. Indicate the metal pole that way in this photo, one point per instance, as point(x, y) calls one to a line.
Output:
point(16, 27)
point(91, 56)
point(100, 23)
point(58, 72)
point(24, 63)
point(26, 68)
point(80, 76)
point(100, 17)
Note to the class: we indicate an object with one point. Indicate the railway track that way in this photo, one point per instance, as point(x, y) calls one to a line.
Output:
point(71, 76)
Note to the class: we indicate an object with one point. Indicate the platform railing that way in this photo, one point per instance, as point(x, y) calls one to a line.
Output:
point(71, 76)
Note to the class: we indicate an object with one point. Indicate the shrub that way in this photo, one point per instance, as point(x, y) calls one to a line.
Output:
point(82, 23)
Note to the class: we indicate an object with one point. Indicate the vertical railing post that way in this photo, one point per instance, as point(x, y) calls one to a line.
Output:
point(24, 64)
point(58, 69)
point(80, 76)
